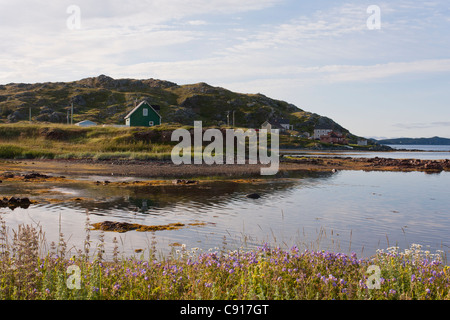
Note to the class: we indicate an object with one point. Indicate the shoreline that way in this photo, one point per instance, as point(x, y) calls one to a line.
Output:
point(166, 169)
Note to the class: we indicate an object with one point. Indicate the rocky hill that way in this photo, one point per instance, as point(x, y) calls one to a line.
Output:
point(106, 100)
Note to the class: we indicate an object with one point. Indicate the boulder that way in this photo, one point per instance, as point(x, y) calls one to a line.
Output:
point(14, 202)
point(184, 182)
point(58, 117)
point(16, 116)
point(34, 175)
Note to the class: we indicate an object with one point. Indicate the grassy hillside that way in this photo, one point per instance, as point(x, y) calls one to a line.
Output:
point(106, 101)
point(30, 141)
point(60, 141)
point(25, 140)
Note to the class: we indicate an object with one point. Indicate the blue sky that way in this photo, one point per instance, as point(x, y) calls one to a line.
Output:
point(319, 55)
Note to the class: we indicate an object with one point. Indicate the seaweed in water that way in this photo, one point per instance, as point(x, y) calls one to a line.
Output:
point(124, 226)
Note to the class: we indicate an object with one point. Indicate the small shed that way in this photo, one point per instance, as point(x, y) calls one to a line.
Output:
point(86, 123)
point(144, 115)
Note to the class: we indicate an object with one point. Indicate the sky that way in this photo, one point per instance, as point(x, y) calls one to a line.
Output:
point(379, 68)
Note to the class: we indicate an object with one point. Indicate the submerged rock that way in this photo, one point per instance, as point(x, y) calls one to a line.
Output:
point(14, 202)
point(124, 226)
point(179, 181)
point(253, 196)
point(34, 175)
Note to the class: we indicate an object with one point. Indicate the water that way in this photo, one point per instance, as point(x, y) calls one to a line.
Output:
point(347, 211)
point(424, 153)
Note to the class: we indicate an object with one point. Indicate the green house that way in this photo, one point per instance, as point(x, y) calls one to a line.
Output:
point(143, 115)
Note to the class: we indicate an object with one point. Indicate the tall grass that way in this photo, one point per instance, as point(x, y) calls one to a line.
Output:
point(30, 269)
point(38, 141)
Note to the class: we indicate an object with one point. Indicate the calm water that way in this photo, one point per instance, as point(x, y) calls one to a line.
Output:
point(424, 153)
point(344, 211)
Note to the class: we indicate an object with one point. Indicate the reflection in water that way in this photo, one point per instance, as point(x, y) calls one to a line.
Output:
point(346, 211)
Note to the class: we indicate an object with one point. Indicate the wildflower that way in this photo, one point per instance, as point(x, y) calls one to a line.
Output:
point(331, 277)
point(362, 284)
point(392, 291)
point(117, 286)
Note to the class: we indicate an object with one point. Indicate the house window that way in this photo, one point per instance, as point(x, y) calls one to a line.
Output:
point(151, 123)
point(145, 112)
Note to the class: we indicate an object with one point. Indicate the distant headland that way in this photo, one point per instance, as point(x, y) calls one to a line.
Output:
point(416, 141)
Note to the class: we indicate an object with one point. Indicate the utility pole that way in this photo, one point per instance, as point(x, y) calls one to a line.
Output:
point(30, 114)
point(234, 124)
point(228, 119)
point(71, 122)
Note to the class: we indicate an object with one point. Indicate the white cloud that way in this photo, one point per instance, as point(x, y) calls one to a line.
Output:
point(423, 125)
point(159, 39)
point(197, 22)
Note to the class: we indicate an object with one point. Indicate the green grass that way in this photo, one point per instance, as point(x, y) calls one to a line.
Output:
point(39, 141)
point(264, 273)
point(35, 141)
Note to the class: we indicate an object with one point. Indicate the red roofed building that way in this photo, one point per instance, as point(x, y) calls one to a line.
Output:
point(334, 137)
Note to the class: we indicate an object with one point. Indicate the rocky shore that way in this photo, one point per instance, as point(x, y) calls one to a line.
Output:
point(427, 165)
point(373, 164)
point(35, 170)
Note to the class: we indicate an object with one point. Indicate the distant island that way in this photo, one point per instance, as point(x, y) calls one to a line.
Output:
point(416, 141)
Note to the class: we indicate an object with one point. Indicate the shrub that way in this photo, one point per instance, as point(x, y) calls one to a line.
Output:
point(10, 151)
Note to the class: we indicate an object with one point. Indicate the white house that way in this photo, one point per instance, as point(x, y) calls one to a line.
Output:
point(86, 123)
point(362, 142)
point(318, 132)
point(281, 124)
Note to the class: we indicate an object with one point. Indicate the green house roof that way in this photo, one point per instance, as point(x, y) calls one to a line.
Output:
point(138, 106)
